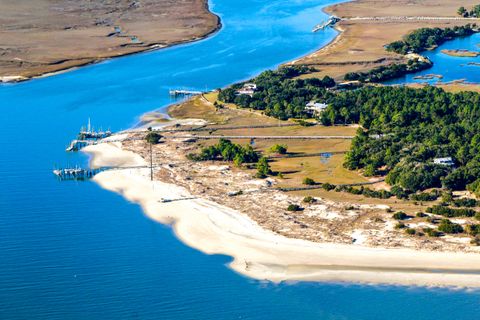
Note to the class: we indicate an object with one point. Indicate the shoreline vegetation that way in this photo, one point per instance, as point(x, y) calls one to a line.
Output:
point(94, 33)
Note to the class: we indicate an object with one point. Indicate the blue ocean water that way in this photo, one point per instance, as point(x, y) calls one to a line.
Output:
point(451, 68)
point(71, 250)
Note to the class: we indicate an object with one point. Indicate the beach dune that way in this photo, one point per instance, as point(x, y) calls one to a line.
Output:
point(261, 254)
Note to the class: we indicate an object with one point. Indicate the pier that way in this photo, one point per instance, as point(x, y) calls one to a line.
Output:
point(88, 136)
point(176, 93)
point(76, 173)
point(329, 23)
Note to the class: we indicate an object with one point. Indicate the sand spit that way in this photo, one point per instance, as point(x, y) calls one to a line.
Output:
point(262, 254)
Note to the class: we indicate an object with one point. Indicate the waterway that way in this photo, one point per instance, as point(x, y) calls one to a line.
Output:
point(451, 68)
point(71, 250)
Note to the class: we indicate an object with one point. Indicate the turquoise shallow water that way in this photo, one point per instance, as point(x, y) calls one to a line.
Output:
point(74, 251)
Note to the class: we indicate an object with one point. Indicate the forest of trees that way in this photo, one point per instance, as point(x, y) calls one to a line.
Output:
point(474, 12)
point(388, 72)
point(426, 38)
point(403, 129)
point(278, 95)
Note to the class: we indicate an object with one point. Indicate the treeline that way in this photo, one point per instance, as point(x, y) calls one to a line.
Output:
point(426, 38)
point(389, 72)
point(278, 95)
point(403, 131)
point(474, 12)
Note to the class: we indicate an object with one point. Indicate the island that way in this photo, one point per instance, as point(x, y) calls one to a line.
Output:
point(461, 53)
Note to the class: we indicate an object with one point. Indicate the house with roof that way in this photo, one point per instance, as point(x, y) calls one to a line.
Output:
point(446, 161)
point(315, 108)
point(248, 89)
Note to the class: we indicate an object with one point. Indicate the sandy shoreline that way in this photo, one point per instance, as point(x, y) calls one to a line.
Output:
point(261, 254)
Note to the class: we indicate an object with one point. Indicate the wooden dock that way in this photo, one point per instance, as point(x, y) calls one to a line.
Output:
point(76, 173)
point(176, 93)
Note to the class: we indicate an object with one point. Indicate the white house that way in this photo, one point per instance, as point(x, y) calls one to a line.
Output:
point(316, 107)
point(447, 161)
point(248, 89)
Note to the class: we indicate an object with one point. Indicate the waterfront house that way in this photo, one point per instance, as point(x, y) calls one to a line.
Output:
point(248, 89)
point(447, 161)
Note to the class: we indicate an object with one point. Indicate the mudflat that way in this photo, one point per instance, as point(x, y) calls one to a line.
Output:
point(43, 36)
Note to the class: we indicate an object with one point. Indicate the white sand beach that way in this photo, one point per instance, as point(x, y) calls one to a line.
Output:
point(262, 254)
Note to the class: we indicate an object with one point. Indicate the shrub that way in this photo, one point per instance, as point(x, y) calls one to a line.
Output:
point(474, 187)
point(294, 207)
point(450, 212)
point(465, 202)
point(328, 186)
point(400, 225)
point(304, 123)
point(309, 199)
point(308, 181)
point(432, 220)
point(399, 192)
point(431, 232)
point(448, 226)
point(410, 231)
point(447, 196)
point(424, 196)
point(420, 215)
point(278, 148)
point(263, 168)
point(399, 215)
point(473, 229)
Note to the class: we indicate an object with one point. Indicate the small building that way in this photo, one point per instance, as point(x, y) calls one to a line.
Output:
point(315, 108)
point(447, 161)
point(248, 89)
